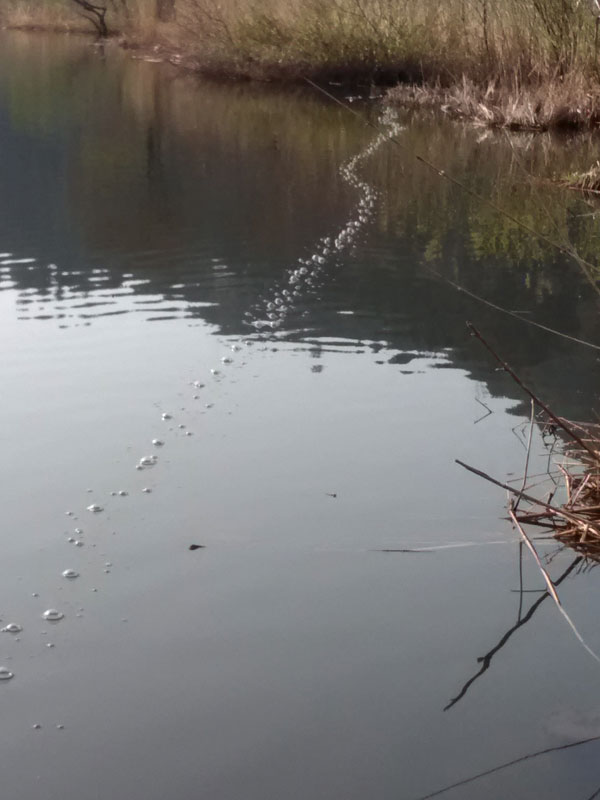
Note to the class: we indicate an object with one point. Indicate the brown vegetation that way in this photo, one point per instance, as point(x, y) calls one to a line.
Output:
point(519, 64)
point(587, 182)
point(570, 102)
point(575, 519)
point(423, 41)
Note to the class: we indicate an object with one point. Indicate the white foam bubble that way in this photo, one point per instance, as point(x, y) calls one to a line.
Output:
point(12, 627)
point(53, 615)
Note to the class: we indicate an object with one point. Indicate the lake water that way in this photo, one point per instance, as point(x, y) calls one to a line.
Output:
point(153, 225)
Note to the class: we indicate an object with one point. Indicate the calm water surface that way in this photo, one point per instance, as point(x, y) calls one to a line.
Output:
point(149, 225)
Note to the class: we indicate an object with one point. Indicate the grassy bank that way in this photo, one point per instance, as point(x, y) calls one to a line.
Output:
point(411, 40)
point(556, 102)
point(476, 57)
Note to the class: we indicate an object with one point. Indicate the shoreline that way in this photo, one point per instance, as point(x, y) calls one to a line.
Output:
point(567, 104)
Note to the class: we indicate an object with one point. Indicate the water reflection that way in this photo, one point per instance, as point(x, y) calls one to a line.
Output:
point(150, 194)
point(131, 191)
point(522, 619)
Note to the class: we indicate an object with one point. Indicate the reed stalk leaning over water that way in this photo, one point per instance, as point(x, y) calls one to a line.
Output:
point(576, 521)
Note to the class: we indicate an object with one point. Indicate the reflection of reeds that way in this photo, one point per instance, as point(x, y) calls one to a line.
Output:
point(486, 660)
point(575, 521)
point(566, 103)
point(579, 526)
point(508, 764)
point(587, 182)
point(422, 39)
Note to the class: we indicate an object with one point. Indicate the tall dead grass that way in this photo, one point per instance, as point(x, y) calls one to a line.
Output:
point(420, 40)
point(559, 102)
point(43, 14)
point(512, 42)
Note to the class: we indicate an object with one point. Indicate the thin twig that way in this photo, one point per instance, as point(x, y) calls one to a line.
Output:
point(524, 484)
point(486, 660)
point(521, 590)
point(557, 420)
point(551, 590)
point(559, 512)
point(508, 764)
point(567, 478)
point(580, 488)
point(487, 408)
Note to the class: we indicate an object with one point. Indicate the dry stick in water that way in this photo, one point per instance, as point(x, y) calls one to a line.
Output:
point(580, 488)
point(508, 764)
point(460, 288)
point(551, 589)
point(595, 795)
point(524, 484)
point(557, 420)
point(567, 478)
point(559, 512)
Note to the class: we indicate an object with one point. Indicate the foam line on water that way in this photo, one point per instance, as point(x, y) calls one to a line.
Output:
point(265, 318)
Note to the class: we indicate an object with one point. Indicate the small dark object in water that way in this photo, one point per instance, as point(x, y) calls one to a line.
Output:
point(331, 494)
point(197, 546)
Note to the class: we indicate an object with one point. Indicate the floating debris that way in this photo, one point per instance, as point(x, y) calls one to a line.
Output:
point(5, 674)
point(123, 493)
point(70, 573)
point(166, 416)
point(146, 490)
point(197, 547)
point(95, 508)
point(157, 443)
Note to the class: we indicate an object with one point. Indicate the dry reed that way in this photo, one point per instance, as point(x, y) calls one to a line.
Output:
point(570, 102)
point(587, 182)
point(576, 520)
point(422, 41)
